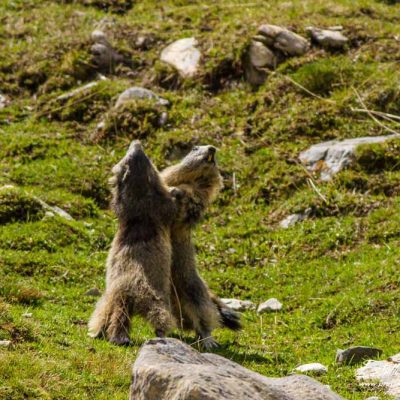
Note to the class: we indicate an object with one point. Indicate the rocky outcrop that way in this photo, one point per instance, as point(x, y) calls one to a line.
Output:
point(268, 48)
point(329, 158)
point(170, 369)
point(386, 372)
point(183, 56)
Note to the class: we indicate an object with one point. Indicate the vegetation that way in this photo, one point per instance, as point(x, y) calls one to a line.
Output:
point(336, 273)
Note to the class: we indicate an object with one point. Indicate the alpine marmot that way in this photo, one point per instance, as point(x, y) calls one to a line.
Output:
point(139, 261)
point(198, 180)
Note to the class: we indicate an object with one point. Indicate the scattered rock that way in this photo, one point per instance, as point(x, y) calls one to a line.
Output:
point(354, 355)
point(183, 55)
point(329, 39)
point(27, 315)
point(239, 305)
point(269, 305)
point(78, 91)
point(329, 158)
point(386, 372)
point(104, 56)
point(294, 218)
point(93, 292)
point(136, 92)
point(170, 369)
point(288, 42)
point(261, 56)
point(5, 343)
point(314, 368)
point(54, 210)
point(3, 101)
point(372, 398)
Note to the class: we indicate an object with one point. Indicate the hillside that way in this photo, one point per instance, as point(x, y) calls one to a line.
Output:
point(336, 272)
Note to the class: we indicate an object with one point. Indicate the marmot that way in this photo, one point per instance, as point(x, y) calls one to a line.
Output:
point(198, 180)
point(139, 261)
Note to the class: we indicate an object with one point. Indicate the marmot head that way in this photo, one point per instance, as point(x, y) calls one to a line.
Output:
point(198, 169)
point(137, 188)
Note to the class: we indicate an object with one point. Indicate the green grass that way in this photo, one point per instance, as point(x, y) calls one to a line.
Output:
point(337, 274)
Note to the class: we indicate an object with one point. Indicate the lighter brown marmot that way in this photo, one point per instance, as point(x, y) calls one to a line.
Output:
point(198, 180)
point(139, 261)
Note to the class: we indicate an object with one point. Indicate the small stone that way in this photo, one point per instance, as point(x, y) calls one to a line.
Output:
point(328, 38)
point(27, 315)
point(386, 373)
point(295, 218)
point(183, 55)
point(290, 43)
point(3, 101)
point(261, 56)
point(136, 92)
point(5, 343)
point(239, 305)
point(354, 355)
point(269, 305)
point(51, 211)
point(93, 292)
point(314, 368)
point(78, 91)
point(372, 398)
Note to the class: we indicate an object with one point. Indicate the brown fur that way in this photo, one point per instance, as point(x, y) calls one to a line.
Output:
point(198, 181)
point(139, 261)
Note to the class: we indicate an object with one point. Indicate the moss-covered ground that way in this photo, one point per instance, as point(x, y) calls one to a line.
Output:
point(337, 273)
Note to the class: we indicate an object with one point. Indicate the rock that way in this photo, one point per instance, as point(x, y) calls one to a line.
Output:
point(294, 218)
point(239, 305)
point(354, 355)
point(314, 368)
point(78, 91)
point(269, 305)
point(183, 55)
point(328, 38)
point(3, 101)
point(386, 372)
point(170, 369)
point(329, 158)
point(104, 55)
point(136, 92)
point(93, 292)
point(27, 315)
point(261, 56)
point(51, 211)
point(284, 40)
point(372, 398)
point(5, 343)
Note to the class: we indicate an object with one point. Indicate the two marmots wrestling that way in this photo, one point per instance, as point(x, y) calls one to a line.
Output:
point(151, 266)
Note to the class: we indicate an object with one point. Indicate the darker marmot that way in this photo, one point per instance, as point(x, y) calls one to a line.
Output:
point(139, 261)
point(198, 181)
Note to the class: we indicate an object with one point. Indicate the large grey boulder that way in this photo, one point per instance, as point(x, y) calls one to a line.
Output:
point(288, 42)
point(171, 370)
point(329, 158)
point(183, 55)
point(386, 373)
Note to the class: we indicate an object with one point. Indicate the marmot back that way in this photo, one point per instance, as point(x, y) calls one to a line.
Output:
point(139, 261)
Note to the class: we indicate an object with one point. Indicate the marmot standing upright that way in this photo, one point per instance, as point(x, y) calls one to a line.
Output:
point(139, 261)
point(198, 180)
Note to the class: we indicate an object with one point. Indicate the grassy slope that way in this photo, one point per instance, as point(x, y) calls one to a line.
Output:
point(336, 274)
